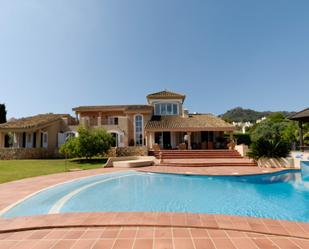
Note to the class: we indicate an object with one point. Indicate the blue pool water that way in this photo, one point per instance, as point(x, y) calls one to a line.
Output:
point(277, 196)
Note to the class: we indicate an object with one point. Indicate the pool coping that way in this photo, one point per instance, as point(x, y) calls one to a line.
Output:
point(280, 171)
point(158, 219)
point(173, 170)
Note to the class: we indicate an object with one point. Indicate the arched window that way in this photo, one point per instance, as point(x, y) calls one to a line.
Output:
point(138, 130)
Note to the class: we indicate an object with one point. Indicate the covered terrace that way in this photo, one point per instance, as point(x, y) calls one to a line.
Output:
point(196, 131)
point(302, 117)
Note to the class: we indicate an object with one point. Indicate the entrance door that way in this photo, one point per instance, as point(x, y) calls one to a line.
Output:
point(163, 139)
point(24, 140)
point(34, 140)
point(167, 140)
point(207, 139)
point(158, 138)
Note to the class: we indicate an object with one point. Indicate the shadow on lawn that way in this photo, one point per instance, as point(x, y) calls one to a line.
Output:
point(89, 161)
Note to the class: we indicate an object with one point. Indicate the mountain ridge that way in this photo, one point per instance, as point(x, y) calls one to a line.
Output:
point(239, 114)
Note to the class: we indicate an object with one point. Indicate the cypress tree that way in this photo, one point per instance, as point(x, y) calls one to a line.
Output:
point(2, 113)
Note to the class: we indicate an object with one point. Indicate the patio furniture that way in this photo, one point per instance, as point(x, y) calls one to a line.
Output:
point(156, 147)
point(182, 146)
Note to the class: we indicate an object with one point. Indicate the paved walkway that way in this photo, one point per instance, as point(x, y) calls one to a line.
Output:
point(142, 230)
point(145, 238)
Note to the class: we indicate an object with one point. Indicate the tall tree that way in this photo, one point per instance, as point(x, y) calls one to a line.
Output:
point(2, 113)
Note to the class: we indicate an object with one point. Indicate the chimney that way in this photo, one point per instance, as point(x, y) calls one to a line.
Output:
point(185, 113)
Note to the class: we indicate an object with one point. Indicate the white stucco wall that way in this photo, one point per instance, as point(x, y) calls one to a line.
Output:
point(299, 156)
point(242, 149)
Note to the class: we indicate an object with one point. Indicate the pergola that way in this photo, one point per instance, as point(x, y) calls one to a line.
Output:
point(301, 117)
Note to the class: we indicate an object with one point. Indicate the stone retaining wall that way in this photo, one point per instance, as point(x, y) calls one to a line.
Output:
point(242, 149)
point(128, 151)
point(27, 153)
point(42, 153)
point(276, 163)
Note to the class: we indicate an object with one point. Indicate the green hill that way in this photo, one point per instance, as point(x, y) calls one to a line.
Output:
point(239, 114)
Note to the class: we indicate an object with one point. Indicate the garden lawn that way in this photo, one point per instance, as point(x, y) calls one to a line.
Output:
point(11, 170)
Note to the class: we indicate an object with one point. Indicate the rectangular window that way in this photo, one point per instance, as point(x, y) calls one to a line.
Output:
point(163, 109)
point(175, 111)
point(112, 120)
point(157, 109)
point(166, 109)
point(116, 121)
point(169, 109)
point(45, 138)
point(138, 130)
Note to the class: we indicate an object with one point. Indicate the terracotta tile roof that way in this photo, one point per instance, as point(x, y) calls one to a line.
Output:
point(33, 121)
point(113, 107)
point(191, 122)
point(302, 115)
point(165, 94)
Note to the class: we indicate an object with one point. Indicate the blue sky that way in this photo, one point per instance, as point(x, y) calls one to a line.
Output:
point(58, 54)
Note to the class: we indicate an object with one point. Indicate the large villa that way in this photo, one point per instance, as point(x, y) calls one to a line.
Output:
point(163, 121)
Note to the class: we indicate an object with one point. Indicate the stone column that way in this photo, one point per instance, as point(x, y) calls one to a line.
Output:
point(151, 141)
point(85, 121)
point(2, 137)
point(231, 136)
point(76, 117)
point(301, 140)
point(38, 139)
point(99, 119)
point(82, 121)
point(189, 141)
point(147, 139)
point(16, 141)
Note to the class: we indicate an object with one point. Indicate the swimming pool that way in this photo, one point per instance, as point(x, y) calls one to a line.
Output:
point(282, 195)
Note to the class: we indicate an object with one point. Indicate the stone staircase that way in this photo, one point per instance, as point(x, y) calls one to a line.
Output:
point(202, 158)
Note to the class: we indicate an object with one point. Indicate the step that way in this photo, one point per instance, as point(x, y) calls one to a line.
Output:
point(193, 152)
point(196, 153)
point(202, 157)
point(209, 164)
point(199, 156)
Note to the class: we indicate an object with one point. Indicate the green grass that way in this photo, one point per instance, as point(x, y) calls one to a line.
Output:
point(11, 170)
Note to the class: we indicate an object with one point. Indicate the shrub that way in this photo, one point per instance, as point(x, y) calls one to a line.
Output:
point(89, 143)
point(243, 138)
point(270, 148)
point(306, 138)
point(275, 129)
point(70, 147)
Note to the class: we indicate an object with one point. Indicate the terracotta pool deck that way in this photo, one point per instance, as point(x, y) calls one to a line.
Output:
point(142, 230)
